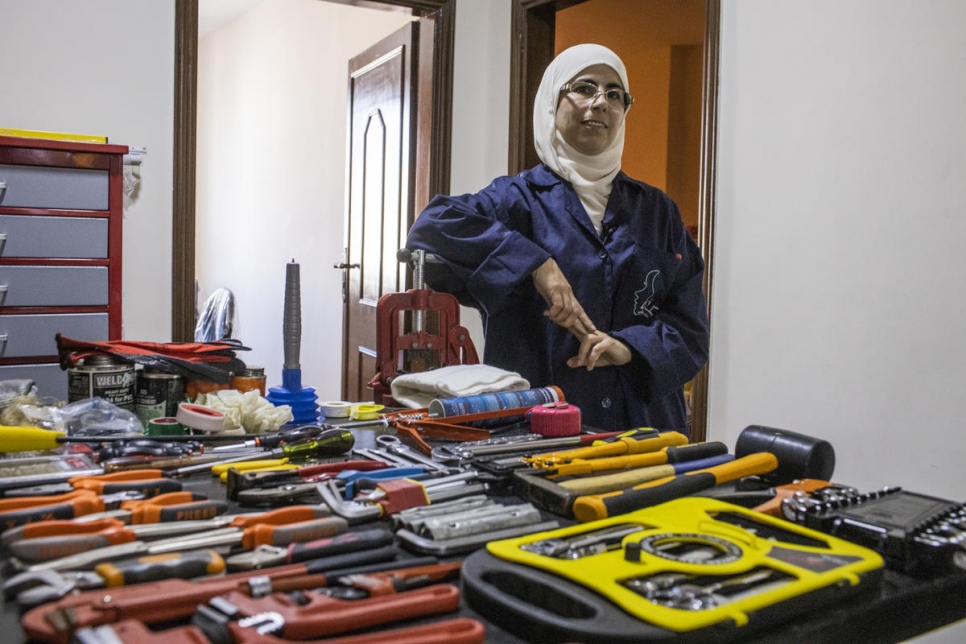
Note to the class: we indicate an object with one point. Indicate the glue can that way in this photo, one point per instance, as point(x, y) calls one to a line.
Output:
point(252, 378)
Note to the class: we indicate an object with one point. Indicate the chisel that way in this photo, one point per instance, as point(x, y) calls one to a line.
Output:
point(593, 507)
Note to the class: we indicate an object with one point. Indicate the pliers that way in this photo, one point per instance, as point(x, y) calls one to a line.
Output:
point(238, 481)
point(149, 482)
point(20, 511)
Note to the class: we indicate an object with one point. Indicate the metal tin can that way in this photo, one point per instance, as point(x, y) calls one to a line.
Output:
point(102, 376)
point(158, 395)
point(252, 378)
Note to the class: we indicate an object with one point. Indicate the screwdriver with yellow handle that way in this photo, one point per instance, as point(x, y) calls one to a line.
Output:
point(22, 438)
point(614, 447)
point(601, 506)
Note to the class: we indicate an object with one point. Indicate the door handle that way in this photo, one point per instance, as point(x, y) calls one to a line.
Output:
point(343, 266)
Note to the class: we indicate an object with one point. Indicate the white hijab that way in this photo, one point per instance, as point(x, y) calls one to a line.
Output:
point(591, 176)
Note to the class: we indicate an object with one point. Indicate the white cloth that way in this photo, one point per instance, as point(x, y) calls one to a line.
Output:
point(417, 390)
point(591, 176)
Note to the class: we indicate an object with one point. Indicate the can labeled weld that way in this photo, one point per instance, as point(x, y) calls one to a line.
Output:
point(101, 376)
point(158, 395)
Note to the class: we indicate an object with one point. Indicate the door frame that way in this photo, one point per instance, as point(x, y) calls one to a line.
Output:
point(435, 154)
point(532, 37)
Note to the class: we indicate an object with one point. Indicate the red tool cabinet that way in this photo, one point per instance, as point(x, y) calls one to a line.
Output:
point(61, 212)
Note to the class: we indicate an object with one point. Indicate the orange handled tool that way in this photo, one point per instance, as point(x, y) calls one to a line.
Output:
point(600, 506)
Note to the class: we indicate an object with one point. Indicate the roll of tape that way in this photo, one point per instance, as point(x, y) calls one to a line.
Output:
point(164, 426)
point(337, 409)
point(204, 419)
point(555, 419)
point(365, 411)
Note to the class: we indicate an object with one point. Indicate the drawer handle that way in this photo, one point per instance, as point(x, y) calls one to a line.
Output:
point(3, 294)
point(3, 344)
point(3, 240)
point(3, 190)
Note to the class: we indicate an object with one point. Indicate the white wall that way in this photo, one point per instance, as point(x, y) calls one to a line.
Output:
point(839, 264)
point(271, 172)
point(104, 67)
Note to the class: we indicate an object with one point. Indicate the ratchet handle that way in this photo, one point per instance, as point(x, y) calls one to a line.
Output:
point(590, 508)
point(176, 565)
point(283, 535)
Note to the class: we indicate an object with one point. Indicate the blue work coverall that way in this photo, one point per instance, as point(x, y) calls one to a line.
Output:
point(639, 281)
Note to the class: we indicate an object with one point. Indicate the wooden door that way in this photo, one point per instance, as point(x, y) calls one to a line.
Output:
point(381, 191)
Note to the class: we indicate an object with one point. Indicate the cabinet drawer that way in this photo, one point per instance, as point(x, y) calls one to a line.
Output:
point(55, 237)
point(46, 187)
point(50, 379)
point(53, 286)
point(33, 335)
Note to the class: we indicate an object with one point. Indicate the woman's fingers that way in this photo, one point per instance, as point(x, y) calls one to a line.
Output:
point(599, 350)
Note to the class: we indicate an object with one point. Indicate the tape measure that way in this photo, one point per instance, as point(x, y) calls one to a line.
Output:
point(555, 419)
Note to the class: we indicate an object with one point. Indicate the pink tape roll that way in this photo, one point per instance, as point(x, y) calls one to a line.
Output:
point(555, 419)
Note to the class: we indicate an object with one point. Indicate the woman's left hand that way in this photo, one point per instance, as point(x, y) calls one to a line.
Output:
point(598, 349)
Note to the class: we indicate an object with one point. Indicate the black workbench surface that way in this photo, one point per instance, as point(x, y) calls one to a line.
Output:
point(901, 607)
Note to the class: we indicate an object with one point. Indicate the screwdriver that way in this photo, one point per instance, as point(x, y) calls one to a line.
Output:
point(331, 442)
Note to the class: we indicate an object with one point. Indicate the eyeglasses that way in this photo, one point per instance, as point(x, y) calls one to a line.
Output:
point(589, 92)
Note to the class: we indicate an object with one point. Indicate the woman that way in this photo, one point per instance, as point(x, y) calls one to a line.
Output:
point(585, 278)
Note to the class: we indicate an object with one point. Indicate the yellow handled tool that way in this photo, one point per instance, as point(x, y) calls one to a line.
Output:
point(28, 439)
point(617, 447)
point(593, 507)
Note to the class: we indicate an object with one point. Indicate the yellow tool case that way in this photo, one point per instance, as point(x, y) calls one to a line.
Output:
point(690, 570)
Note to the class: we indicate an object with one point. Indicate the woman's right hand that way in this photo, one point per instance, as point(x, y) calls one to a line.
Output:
point(564, 309)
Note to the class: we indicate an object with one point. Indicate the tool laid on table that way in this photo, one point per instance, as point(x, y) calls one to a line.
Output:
point(696, 568)
point(558, 495)
point(461, 630)
point(176, 599)
point(23, 510)
point(64, 538)
point(634, 442)
point(35, 588)
point(266, 556)
point(660, 456)
point(149, 482)
point(465, 525)
point(599, 506)
point(522, 444)
point(331, 442)
point(237, 481)
point(297, 523)
point(395, 494)
point(318, 614)
point(913, 532)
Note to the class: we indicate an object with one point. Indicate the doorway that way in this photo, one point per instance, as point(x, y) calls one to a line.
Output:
point(534, 30)
point(433, 156)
